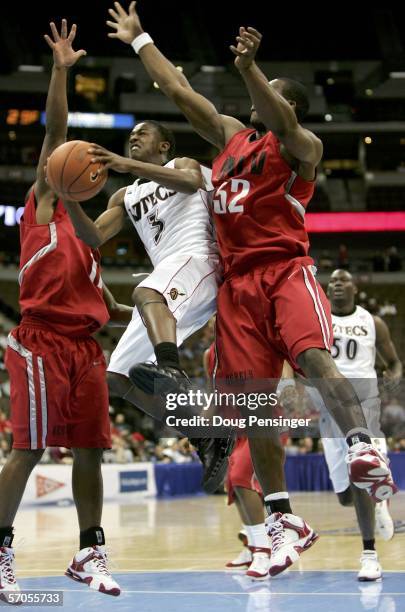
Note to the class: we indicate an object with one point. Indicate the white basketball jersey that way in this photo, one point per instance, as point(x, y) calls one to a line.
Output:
point(171, 223)
point(354, 349)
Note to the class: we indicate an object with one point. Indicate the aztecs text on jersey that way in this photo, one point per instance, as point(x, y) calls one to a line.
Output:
point(353, 347)
point(259, 203)
point(170, 223)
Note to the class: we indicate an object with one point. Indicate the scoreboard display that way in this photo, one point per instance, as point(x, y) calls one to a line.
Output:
point(22, 117)
point(16, 117)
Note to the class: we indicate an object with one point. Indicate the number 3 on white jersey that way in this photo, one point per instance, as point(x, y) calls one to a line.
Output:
point(240, 188)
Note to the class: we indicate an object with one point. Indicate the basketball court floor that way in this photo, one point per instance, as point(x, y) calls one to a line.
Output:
point(169, 555)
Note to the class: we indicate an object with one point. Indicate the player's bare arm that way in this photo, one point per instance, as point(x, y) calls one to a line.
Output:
point(64, 57)
point(199, 111)
point(108, 224)
point(386, 349)
point(185, 177)
point(274, 111)
point(120, 314)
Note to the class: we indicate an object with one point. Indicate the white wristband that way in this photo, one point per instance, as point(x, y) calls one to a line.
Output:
point(140, 41)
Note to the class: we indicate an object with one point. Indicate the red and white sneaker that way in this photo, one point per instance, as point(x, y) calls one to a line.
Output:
point(89, 565)
point(244, 559)
point(8, 582)
point(368, 469)
point(259, 568)
point(290, 536)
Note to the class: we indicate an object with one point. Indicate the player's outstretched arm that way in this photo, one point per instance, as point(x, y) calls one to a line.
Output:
point(64, 57)
point(120, 314)
point(185, 177)
point(108, 224)
point(199, 111)
point(386, 349)
point(274, 111)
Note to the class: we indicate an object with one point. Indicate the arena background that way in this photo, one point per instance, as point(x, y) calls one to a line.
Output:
point(352, 60)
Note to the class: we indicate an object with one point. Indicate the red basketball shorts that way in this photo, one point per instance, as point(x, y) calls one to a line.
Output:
point(272, 313)
point(240, 470)
point(59, 394)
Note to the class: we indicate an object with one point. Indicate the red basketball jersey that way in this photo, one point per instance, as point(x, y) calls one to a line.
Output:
point(60, 282)
point(259, 203)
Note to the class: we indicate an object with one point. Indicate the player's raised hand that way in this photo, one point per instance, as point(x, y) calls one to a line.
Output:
point(127, 26)
point(108, 159)
point(61, 44)
point(248, 41)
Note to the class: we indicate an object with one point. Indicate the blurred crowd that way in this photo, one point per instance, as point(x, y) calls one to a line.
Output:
point(387, 260)
point(137, 438)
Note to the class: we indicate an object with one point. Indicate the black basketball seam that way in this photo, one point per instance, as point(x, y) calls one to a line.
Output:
point(77, 177)
point(64, 164)
point(81, 190)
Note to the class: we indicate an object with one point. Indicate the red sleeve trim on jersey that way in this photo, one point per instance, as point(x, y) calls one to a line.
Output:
point(51, 246)
point(293, 201)
point(299, 178)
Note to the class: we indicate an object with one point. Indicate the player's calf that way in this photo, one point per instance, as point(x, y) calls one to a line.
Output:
point(345, 497)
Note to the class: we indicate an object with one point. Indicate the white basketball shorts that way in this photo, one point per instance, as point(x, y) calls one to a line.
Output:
point(189, 285)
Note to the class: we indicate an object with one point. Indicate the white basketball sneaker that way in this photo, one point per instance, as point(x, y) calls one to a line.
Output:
point(384, 525)
point(8, 582)
point(290, 536)
point(370, 569)
point(368, 469)
point(244, 559)
point(89, 565)
point(259, 568)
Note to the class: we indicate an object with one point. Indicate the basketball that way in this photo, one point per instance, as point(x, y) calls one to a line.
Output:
point(71, 174)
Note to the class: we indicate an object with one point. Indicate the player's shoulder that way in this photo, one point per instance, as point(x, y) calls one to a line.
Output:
point(185, 162)
point(364, 313)
point(378, 322)
point(231, 126)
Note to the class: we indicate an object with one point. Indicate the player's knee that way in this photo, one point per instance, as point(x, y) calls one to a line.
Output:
point(345, 497)
point(118, 384)
point(87, 456)
point(317, 363)
point(26, 457)
point(140, 295)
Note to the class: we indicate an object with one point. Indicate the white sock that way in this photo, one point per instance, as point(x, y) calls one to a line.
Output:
point(257, 536)
point(245, 529)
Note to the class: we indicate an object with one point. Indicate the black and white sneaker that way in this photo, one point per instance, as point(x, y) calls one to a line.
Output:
point(213, 453)
point(156, 380)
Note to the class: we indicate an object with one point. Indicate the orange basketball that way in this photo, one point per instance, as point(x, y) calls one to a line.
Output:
point(71, 173)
